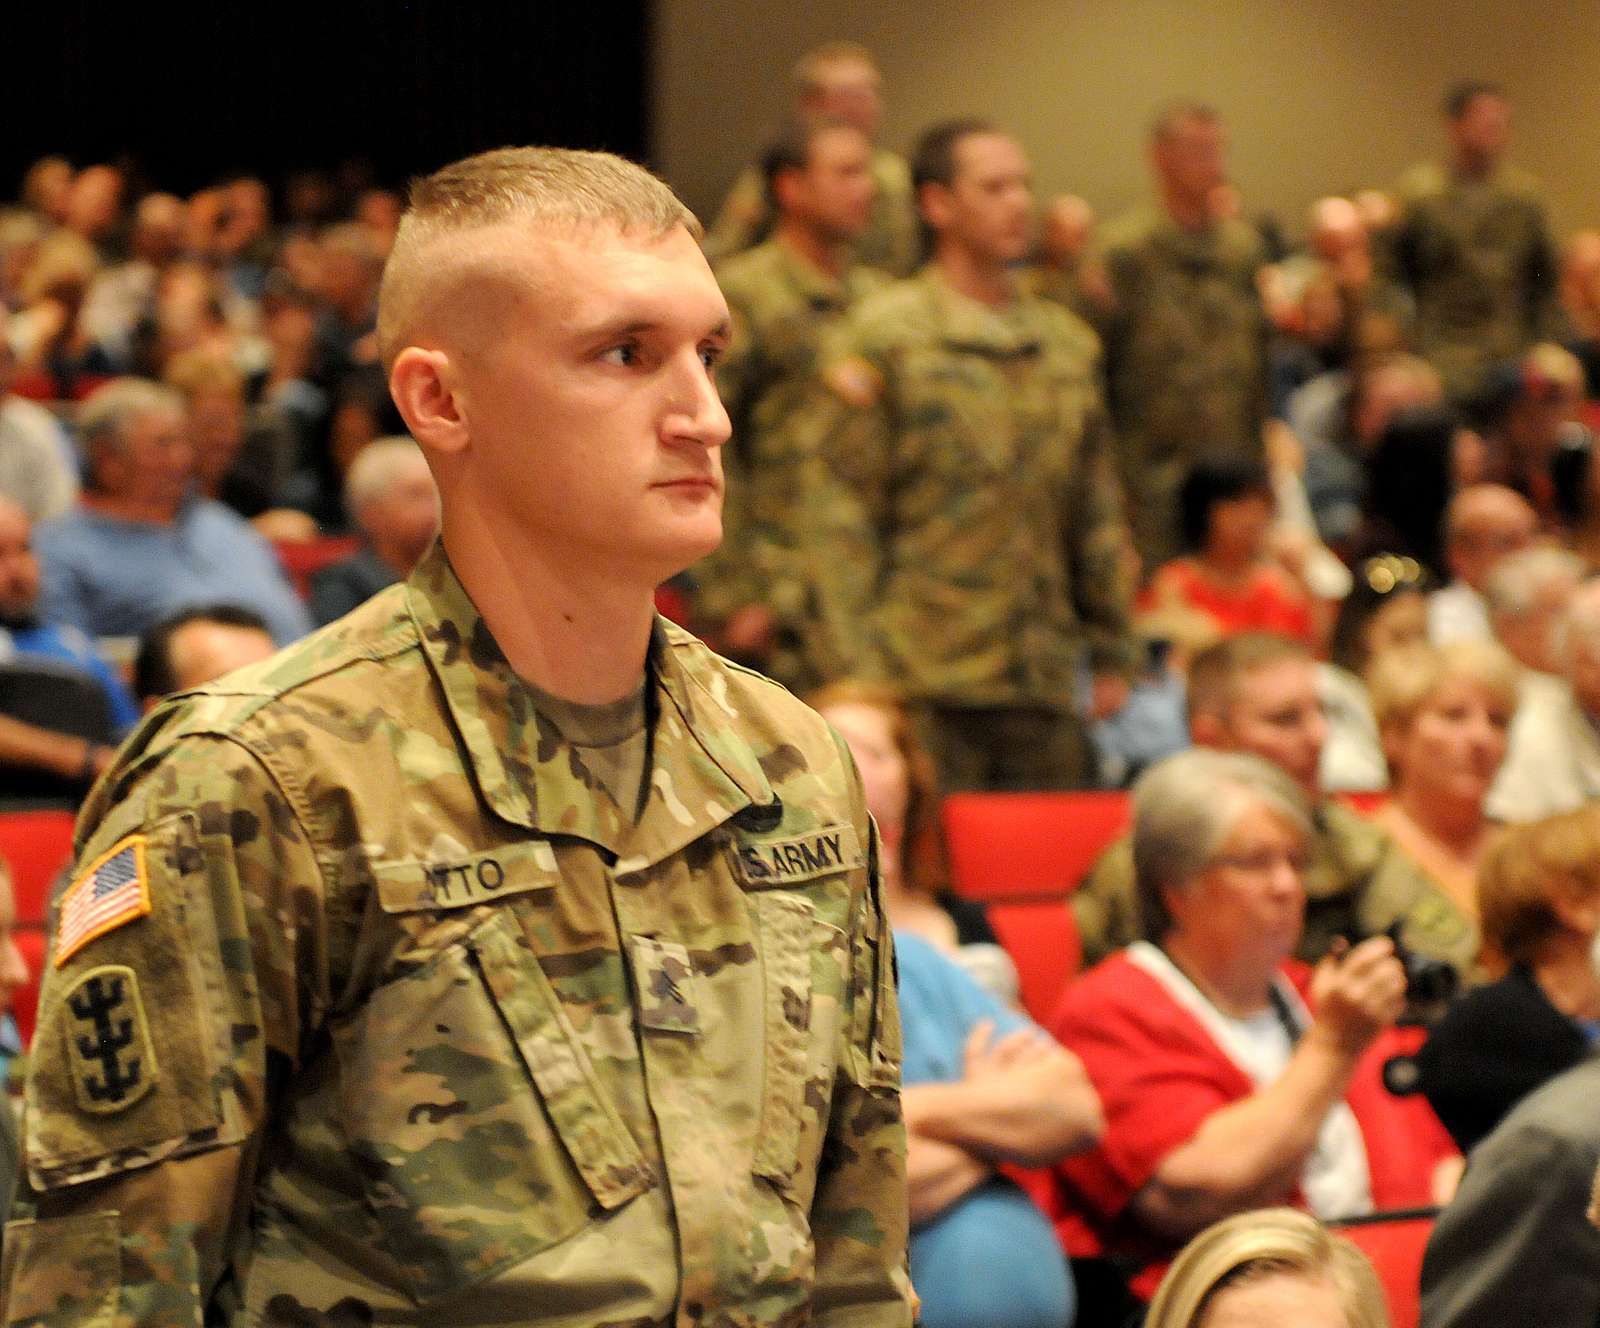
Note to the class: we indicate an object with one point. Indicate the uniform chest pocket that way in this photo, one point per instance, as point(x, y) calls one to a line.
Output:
point(480, 1128)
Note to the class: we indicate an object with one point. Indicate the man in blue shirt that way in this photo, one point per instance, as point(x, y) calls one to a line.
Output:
point(141, 546)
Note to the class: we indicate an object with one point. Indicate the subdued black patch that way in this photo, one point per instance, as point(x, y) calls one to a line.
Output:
point(782, 761)
point(434, 1112)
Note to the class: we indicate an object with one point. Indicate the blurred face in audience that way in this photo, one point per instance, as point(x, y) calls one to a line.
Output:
point(987, 208)
point(216, 429)
point(403, 519)
point(1245, 911)
point(832, 194)
point(1482, 131)
point(869, 733)
point(203, 651)
point(1191, 159)
point(1276, 1300)
point(1275, 714)
point(1451, 747)
point(849, 90)
point(1399, 620)
point(1237, 529)
point(95, 200)
point(153, 465)
point(1489, 523)
point(19, 566)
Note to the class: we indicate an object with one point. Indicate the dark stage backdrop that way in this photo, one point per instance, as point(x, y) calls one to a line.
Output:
point(263, 87)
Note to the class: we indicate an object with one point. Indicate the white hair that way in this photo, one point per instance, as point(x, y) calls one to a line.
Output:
point(375, 468)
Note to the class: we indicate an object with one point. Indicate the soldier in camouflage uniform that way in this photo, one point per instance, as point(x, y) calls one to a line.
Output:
point(783, 295)
point(1474, 247)
point(838, 81)
point(977, 539)
point(1257, 693)
point(413, 977)
point(1186, 338)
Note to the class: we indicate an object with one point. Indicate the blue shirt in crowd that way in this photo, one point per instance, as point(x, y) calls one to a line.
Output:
point(68, 645)
point(991, 1257)
point(110, 577)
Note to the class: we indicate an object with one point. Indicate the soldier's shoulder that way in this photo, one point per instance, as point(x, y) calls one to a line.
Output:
point(1426, 179)
point(749, 270)
point(1520, 184)
point(898, 312)
point(1063, 328)
point(1130, 230)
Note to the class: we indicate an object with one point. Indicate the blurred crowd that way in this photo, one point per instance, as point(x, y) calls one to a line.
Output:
point(1289, 525)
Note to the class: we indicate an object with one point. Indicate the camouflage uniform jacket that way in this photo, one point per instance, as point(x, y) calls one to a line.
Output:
point(419, 1028)
point(1357, 883)
point(1186, 366)
point(976, 523)
point(1482, 266)
point(781, 306)
point(891, 242)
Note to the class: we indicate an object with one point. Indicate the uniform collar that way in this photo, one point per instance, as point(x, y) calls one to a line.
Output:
point(812, 283)
point(701, 772)
point(971, 324)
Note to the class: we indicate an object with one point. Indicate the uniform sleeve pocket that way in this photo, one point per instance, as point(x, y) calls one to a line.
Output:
point(481, 1129)
point(784, 923)
point(65, 1270)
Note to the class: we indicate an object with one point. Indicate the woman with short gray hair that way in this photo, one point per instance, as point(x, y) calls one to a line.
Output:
point(1224, 1068)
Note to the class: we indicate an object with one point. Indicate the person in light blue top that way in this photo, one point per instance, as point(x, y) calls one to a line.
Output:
point(141, 546)
point(983, 1086)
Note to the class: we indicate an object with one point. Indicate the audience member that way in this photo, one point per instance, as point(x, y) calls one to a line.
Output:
point(1227, 582)
point(393, 502)
point(123, 297)
point(1412, 472)
point(1539, 908)
point(1067, 268)
point(836, 81)
point(1474, 247)
point(1529, 419)
point(1186, 338)
point(94, 207)
point(38, 469)
point(23, 632)
point(983, 1087)
point(1515, 1244)
point(1443, 713)
point(903, 797)
point(1553, 763)
point(140, 545)
point(979, 540)
point(1526, 596)
point(1483, 524)
point(1230, 1082)
point(46, 188)
point(1257, 694)
point(757, 590)
point(194, 647)
point(1386, 607)
point(56, 357)
point(1274, 1266)
point(351, 264)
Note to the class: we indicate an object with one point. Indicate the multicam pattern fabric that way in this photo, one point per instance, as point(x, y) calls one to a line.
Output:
point(781, 307)
point(445, 1037)
point(1186, 347)
point(1358, 883)
point(969, 503)
point(1480, 261)
point(891, 242)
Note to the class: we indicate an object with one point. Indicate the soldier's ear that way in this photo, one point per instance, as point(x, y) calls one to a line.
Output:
point(933, 202)
point(427, 394)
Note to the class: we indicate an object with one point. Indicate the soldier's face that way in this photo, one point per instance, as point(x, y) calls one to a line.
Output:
point(851, 92)
point(1193, 157)
point(1277, 715)
point(835, 190)
point(593, 418)
point(988, 207)
point(1484, 127)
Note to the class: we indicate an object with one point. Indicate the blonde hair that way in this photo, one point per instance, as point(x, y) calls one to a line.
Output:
point(1402, 678)
point(195, 372)
point(557, 188)
point(1525, 870)
point(1270, 1241)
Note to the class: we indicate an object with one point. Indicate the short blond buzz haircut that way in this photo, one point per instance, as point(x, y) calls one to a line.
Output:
point(552, 188)
point(811, 69)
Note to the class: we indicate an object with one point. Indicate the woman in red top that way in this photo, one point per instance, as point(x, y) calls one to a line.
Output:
point(1227, 583)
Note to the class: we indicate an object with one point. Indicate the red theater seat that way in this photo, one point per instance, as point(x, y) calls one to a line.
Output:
point(37, 844)
point(1041, 937)
point(1395, 1243)
point(303, 559)
point(1010, 845)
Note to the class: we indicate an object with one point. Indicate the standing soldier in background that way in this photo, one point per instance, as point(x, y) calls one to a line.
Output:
point(836, 81)
point(1186, 339)
point(1474, 247)
point(782, 295)
point(978, 537)
point(498, 955)
point(1066, 268)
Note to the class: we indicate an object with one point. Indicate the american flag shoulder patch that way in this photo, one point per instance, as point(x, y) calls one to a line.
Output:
point(114, 889)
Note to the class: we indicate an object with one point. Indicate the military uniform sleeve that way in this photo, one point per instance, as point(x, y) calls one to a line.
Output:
point(183, 975)
point(1398, 891)
point(1098, 541)
point(847, 424)
point(860, 1217)
point(744, 218)
point(1104, 905)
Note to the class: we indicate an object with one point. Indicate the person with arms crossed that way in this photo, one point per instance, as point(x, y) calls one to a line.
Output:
point(499, 955)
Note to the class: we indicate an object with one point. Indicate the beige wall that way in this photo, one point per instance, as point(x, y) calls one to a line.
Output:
point(1320, 95)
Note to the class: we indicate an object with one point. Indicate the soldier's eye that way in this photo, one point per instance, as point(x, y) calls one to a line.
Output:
point(622, 355)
